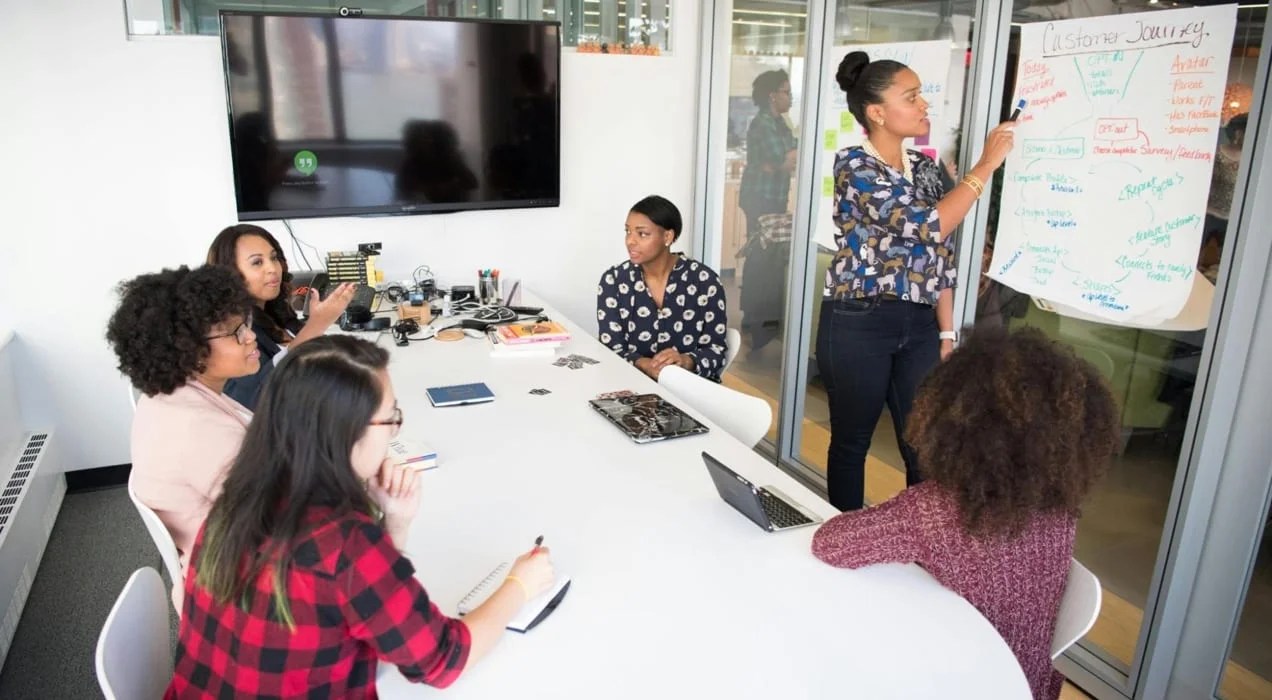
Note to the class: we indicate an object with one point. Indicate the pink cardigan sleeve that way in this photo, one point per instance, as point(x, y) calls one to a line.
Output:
point(885, 533)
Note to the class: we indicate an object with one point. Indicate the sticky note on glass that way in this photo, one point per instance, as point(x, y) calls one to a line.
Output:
point(832, 140)
point(828, 186)
point(846, 122)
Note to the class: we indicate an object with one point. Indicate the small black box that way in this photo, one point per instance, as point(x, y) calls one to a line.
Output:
point(463, 292)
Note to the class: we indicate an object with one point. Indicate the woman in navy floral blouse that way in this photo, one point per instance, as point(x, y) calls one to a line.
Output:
point(657, 308)
point(888, 314)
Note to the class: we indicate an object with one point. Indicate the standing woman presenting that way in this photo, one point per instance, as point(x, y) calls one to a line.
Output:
point(887, 316)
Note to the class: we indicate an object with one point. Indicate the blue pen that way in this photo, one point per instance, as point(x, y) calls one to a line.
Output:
point(1020, 105)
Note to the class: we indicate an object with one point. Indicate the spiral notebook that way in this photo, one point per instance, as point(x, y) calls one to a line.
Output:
point(535, 610)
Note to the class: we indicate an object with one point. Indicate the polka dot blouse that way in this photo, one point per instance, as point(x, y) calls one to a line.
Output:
point(692, 319)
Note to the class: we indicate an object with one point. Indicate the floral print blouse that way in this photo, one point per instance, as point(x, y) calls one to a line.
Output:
point(889, 237)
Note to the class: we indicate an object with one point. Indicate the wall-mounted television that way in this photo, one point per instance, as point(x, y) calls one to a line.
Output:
point(340, 116)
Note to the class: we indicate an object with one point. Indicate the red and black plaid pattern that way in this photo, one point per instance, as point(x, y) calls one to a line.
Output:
point(354, 599)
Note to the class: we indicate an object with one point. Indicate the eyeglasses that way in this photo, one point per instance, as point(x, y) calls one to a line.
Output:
point(240, 333)
point(395, 421)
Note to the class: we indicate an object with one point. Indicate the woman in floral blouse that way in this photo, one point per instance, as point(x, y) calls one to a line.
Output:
point(888, 314)
point(658, 308)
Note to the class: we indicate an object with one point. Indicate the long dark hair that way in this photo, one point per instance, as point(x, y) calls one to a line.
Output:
point(279, 315)
point(863, 82)
point(296, 456)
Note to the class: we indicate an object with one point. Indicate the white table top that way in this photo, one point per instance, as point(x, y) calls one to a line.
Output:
point(674, 593)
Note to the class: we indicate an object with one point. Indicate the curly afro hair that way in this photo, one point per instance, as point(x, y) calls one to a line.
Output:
point(159, 331)
point(1013, 424)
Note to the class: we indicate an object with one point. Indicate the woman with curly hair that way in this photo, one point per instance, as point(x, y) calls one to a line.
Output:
point(180, 336)
point(255, 255)
point(1012, 432)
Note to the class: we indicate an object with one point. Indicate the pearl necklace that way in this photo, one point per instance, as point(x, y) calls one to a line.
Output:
point(873, 152)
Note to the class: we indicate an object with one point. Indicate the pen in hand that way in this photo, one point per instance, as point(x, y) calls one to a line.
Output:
point(537, 542)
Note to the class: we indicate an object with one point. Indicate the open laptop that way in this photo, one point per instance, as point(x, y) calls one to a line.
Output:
point(647, 417)
point(767, 507)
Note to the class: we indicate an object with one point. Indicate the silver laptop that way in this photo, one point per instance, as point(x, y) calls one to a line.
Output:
point(767, 507)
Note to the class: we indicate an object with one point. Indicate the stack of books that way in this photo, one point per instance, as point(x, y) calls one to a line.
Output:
point(534, 339)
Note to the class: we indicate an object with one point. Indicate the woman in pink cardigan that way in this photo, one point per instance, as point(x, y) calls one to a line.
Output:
point(180, 335)
point(1011, 433)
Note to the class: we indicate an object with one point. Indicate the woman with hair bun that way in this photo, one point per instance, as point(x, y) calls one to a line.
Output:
point(888, 312)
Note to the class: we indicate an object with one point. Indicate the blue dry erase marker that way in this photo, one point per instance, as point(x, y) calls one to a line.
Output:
point(1020, 105)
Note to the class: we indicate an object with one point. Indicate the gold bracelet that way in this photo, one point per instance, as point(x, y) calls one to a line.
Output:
point(977, 185)
point(524, 591)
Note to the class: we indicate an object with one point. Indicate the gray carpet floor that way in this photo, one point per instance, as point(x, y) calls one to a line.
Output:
point(96, 544)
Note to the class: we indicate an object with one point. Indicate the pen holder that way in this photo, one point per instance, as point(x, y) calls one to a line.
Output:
point(488, 290)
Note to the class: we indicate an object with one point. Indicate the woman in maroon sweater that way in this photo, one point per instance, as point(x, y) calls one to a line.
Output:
point(1012, 432)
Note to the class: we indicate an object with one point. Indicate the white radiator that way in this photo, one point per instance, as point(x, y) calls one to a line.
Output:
point(33, 485)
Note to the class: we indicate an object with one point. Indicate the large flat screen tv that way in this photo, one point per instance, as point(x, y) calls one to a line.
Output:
point(339, 116)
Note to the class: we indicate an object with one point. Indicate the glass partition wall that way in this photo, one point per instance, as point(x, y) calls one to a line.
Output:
point(1134, 525)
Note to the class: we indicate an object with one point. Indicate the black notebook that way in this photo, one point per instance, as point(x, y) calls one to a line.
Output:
point(535, 610)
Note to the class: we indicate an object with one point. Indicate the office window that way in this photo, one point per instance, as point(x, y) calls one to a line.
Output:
point(617, 26)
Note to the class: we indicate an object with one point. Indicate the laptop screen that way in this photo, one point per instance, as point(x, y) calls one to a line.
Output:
point(736, 491)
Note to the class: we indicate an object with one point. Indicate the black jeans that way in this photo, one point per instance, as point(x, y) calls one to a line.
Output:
point(870, 351)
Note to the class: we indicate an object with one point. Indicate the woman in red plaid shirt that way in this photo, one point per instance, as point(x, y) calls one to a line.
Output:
point(297, 585)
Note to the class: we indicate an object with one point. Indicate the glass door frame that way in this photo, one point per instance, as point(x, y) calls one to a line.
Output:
point(1191, 615)
point(1214, 556)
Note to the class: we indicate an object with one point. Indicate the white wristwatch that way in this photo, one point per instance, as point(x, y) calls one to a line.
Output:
point(948, 335)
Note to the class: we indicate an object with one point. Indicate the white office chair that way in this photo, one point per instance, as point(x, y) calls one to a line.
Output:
point(134, 658)
point(163, 539)
point(732, 344)
point(744, 417)
point(1079, 608)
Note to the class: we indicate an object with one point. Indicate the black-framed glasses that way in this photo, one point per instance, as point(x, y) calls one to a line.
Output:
point(240, 333)
point(395, 420)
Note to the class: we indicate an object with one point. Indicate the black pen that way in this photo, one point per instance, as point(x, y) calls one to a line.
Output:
point(537, 541)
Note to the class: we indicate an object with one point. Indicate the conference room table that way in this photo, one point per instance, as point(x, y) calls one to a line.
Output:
point(674, 594)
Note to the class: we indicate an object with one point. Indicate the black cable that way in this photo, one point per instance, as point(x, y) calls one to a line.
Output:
point(296, 241)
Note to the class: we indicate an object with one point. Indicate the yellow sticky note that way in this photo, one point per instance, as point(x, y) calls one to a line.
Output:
point(832, 140)
point(828, 186)
point(846, 122)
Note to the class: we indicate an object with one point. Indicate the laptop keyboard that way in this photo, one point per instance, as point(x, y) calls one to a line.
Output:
point(780, 513)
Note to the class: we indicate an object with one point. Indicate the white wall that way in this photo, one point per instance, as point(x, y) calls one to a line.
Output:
point(116, 162)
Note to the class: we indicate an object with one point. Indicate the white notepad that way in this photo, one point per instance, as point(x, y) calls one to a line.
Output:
point(532, 613)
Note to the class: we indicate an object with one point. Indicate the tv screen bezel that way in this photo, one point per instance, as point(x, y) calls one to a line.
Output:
point(404, 209)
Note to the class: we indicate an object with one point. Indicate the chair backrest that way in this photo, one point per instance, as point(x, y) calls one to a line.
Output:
point(134, 656)
point(133, 395)
point(732, 344)
point(744, 417)
point(163, 539)
point(1079, 608)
